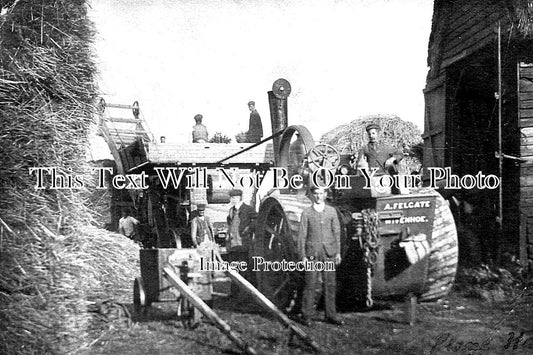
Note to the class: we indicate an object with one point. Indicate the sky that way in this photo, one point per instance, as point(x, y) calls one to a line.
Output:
point(344, 59)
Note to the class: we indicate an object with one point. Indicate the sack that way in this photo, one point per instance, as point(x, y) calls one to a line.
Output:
point(404, 253)
point(416, 247)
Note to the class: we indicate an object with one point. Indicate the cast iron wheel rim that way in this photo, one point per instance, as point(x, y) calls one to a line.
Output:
point(285, 142)
point(139, 296)
point(273, 242)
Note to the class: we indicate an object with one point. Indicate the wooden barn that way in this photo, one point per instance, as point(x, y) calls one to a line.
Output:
point(479, 103)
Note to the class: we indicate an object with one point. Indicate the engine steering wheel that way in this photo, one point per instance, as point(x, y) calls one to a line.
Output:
point(323, 156)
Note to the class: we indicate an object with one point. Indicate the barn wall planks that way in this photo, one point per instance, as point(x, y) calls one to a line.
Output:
point(470, 25)
point(461, 30)
point(525, 95)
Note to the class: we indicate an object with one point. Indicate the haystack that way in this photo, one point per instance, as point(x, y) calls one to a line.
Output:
point(350, 137)
point(54, 263)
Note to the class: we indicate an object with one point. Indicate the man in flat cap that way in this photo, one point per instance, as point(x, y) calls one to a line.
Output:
point(255, 127)
point(201, 227)
point(199, 131)
point(241, 226)
point(378, 154)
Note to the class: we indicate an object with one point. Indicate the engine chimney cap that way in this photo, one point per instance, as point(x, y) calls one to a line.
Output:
point(281, 88)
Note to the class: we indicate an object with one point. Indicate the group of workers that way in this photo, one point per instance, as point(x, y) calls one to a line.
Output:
point(319, 232)
point(253, 135)
point(318, 241)
point(319, 237)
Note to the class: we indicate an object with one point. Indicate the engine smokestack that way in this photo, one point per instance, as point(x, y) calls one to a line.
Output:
point(277, 99)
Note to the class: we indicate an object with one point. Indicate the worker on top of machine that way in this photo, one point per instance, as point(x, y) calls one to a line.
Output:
point(376, 154)
point(201, 227)
point(241, 226)
point(199, 131)
point(255, 127)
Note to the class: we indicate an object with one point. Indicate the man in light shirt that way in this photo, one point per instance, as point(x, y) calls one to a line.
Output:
point(127, 226)
point(201, 227)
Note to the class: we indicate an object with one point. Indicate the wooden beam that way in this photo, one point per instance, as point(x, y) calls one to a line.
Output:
point(127, 131)
point(435, 83)
point(525, 96)
point(525, 122)
point(526, 103)
point(432, 133)
point(122, 120)
point(119, 106)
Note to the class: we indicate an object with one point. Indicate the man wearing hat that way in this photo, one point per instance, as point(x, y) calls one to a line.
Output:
point(378, 154)
point(255, 127)
point(199, 131)
point(241, 226)
point(201, 227)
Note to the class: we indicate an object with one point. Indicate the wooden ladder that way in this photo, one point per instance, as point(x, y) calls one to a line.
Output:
point(120, 132)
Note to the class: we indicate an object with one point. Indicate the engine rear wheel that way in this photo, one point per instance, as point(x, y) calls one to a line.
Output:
point(276, 241)
point(444, 254)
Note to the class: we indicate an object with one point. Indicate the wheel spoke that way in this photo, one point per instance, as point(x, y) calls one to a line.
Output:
point(272, 236)
point(282, 285)
point(280, 226)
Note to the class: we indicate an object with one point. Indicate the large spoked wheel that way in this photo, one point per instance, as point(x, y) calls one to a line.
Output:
point(274, 243)
point(276, 240)
point(286, 139)
point(323, 156)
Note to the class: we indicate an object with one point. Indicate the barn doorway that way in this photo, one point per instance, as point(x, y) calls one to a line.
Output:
point(472, 141)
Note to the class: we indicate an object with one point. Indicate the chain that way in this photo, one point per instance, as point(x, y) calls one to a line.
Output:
point(370, 243)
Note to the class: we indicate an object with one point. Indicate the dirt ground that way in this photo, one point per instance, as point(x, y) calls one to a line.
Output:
point(456, 325)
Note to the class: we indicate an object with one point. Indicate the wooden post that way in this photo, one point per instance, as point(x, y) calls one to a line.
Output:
point(500, 157)
point(410, 302)
point(267, 304)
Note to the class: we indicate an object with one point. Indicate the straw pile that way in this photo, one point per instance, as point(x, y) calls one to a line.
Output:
point(524, 17)
point(350, 137)
point(492, 283)
point(54, 264)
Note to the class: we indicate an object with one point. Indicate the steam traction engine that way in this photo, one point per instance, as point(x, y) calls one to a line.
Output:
point(392, 244)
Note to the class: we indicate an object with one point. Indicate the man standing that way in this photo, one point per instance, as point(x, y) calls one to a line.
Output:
point(241, 224)
point(378, 154)
point(201, 227)
point(199, 131)
point(255, 127)
point(319, 242)
point(127, 226)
